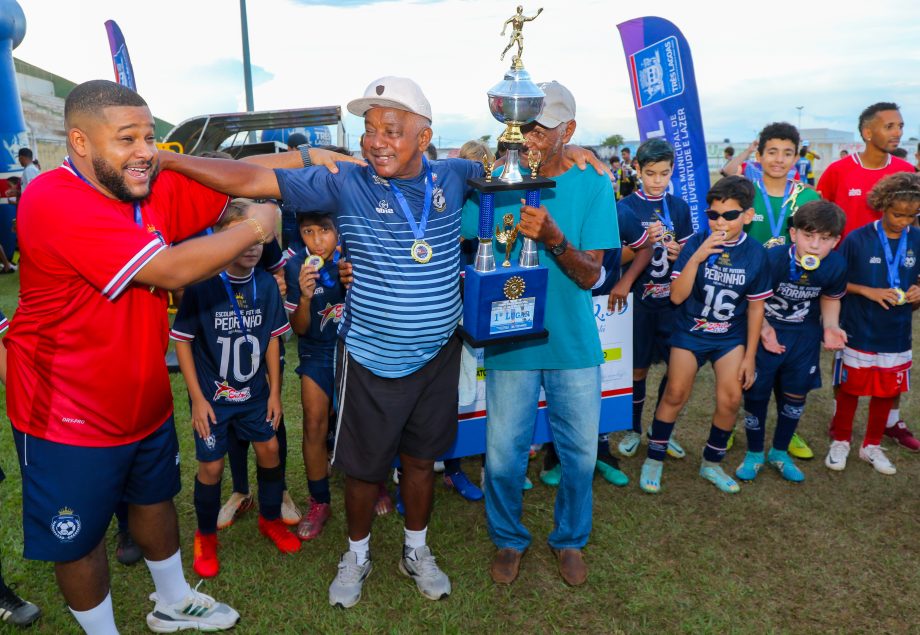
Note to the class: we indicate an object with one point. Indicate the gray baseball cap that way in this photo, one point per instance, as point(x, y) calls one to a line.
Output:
point(558, 106)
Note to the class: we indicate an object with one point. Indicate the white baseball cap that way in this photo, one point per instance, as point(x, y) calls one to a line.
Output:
point(558, 106)
point(392, 92)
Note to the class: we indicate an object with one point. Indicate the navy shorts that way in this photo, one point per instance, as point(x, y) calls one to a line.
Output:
point(322, 374)
point(249, 424)
point(704, 350)
point(797, 371)
point(652, 330)
point(69, 492)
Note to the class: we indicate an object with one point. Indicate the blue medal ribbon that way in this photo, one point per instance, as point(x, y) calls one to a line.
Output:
point(793, 266)
point(234, 303)
point(137, 206)
point(895, 261)
point(665, 216)
point(776, 224)
point(418, 229)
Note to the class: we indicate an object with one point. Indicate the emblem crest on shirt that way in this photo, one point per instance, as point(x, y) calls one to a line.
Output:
point(706, 326)
point(383, 207)
point(724, 260)
point(910, 259)
point(332, 312)
point(241, 300)
point(438, 200)
point(66, 525)
point(228, 393)
point(656, 290)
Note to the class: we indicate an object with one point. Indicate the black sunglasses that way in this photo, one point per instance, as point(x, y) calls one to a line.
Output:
point(730, 215)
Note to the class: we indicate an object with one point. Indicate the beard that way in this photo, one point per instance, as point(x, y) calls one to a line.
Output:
point(114, 181)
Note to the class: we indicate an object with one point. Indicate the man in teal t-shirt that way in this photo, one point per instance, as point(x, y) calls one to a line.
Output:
point(575, 223)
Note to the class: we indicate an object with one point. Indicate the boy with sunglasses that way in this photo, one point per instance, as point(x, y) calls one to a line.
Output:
point(315, 301)
point(719, 282)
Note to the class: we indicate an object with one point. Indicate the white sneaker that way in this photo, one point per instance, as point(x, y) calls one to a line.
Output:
point(875, 455)
point(290, 513)
point(345, 590)
point(836, 458)
point(196, 611)
point(421, 566)
point(237, 505)
point(629, 443)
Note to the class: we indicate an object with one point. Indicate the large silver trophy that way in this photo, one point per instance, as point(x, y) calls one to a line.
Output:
point(509, 304)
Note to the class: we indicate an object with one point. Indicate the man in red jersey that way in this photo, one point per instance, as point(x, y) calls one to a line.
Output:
point(847, 182)
point(88, 392)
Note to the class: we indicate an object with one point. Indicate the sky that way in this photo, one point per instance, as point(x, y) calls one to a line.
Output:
point(753, 65)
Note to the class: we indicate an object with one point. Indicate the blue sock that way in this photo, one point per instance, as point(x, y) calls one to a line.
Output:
point(281, 435)
point(755, 421)
point(121, 513)
point(789, 411)
point(658, 436)
point(451, 466)
point(238, 456)
point(319, 490)
point(716, 444)
point(638, 403)
point(603, 446)
point(207, 506)
point(271, 487)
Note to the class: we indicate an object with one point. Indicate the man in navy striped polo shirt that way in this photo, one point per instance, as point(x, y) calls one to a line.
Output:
point(398, 358)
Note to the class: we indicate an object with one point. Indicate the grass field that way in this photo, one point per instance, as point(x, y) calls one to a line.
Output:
point(837, 554)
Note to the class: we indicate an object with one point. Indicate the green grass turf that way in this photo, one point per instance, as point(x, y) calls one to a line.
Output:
point(837, 554)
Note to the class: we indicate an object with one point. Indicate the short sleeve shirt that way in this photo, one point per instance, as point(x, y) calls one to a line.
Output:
point(583, 206)
point(86, 351)
point(229, 356)
point(327, 308)
point(724, 284)
point(795, 302)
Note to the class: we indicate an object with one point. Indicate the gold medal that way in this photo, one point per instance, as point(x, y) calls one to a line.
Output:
point(315, 261)
point(668, 237)
point(776, 240)
point(902, 297)
point(421, 251)
point(810, 262)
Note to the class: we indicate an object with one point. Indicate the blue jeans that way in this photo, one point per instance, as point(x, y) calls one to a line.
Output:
point(573, 406)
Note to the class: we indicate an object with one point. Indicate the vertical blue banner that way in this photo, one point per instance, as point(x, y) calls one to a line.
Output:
point(667, 105)
point(124, 72)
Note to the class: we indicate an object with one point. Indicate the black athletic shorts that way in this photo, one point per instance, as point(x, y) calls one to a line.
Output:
point(380, 417)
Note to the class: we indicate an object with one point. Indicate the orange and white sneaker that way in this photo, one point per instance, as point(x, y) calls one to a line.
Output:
point(278, 533)
point(206, 563)
point(290, 513)
point(237, 505)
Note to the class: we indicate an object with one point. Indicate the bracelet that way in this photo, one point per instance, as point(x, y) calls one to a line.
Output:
point(257, 226)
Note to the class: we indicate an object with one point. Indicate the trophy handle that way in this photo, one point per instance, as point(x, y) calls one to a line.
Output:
point(529, 256)
point(485, 257)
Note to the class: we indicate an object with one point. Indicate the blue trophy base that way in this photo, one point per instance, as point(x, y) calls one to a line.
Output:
point(504, 305)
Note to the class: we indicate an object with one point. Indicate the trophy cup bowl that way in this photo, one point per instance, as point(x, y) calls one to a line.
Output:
point(515, 101)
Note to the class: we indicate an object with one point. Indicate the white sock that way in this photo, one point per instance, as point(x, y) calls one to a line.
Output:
point(361, 548)
point(169, 579)
point(416, 539)
point(99, 620)
point(893, 417)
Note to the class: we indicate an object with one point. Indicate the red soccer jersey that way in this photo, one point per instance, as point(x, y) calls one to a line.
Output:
point(86, 349)
point(847, 183)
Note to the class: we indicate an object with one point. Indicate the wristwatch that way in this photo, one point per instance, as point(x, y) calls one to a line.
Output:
point(305, 154)
point(559, 249)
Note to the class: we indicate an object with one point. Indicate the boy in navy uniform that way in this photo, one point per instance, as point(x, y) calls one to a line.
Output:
point(315, 302)
point(719, 281)
point(882, 292)
point(666, 219)
point(808, 280)
point(226, 334)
